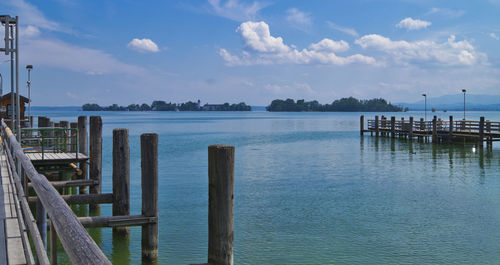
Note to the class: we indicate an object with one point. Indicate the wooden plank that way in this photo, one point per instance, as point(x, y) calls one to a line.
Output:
point(82, 198)
point(116, 221)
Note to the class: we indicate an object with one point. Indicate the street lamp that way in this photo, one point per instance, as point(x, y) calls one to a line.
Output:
point(29, 67)
point(425, 110)
point(463, 90)
point(1, 84)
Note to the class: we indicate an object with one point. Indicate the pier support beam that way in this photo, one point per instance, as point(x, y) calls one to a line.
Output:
point(362, 124)
point(121, 178)
point(376, 126)
point(221, 204)
point(95, 157)
point(393, 126)
point(83, 149)
point(434, 130)
point(481, 131)
point(149, 178)
point(410, 129)
point(450, 133)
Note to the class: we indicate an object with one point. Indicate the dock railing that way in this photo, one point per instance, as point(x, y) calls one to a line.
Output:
point(49, 140)
point(79, 246)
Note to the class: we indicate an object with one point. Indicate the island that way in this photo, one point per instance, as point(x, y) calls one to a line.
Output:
point(349, 104)
point(160, 105)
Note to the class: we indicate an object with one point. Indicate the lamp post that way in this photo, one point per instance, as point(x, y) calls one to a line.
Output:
point(29, 67)
point(425, 108)
point(463, 90)
point(1, 84)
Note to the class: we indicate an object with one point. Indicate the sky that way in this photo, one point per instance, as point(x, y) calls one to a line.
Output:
point(125, 52)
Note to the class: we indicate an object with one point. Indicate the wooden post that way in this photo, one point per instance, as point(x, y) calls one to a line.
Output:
point(362, 124)
point(83, 148)
point(376, 125)
point(481, 131)
point(53, 245)
point(451, 129)
point(434, 130)
point(43, 122)
point(95, 171)
point(410, 129)
point(149, 178)
point(393, 126)
point(121, 178)
point(221, 204)
point(41, 221)
point(73, 133)
point(64, 141)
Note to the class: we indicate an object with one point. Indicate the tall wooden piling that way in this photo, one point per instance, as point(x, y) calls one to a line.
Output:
point(450, 133)
point(434, 129)
point(393, 126)
point(95, 171)
point(221, 204)
point(376, 126)
point(41, 221)
point(83, 148)
point(43, 122)
point(121, 178)
point(73, 136)
point(362, 124)
point(149, 178)
point(64, 138)
point(481, 130)
point(410, 129)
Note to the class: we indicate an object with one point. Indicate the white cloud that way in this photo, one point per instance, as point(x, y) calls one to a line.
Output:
point(450, 52)
point(298, 18)
point(143, 45)
point(445, 12)
point(494, 36)
point(413, 24)
point(349, 31)
point(56, 53)
point(234, 10)
point(28, 32)
point(29, 14)
point(263, 48)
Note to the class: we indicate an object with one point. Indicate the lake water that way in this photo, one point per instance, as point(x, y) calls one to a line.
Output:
point(310, 190)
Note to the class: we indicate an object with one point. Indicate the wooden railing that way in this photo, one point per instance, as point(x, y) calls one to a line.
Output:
point(459, 126)
point(79, 246)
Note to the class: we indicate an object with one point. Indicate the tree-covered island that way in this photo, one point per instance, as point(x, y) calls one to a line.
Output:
point(343, 104)
point(160, 105)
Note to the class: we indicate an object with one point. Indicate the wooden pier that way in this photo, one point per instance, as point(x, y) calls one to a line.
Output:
point(53, 168)
point(435, 130)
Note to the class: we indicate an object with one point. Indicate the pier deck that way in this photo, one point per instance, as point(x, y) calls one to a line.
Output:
point(437, 130)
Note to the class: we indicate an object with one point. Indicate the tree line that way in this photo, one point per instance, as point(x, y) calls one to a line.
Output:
point(349, 104)
point(160, 105)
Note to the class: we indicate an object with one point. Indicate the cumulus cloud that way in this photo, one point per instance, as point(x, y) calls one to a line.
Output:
point(413, 24)
point(451, 52)
point(494, 36)
point(143, 45)
point(298, 18)
point(349, 31)
point(234, 10)
point(263, 48)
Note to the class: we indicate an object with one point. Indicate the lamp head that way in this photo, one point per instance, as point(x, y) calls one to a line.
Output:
point(425, 95)
point(463, 90)
point(29, 66)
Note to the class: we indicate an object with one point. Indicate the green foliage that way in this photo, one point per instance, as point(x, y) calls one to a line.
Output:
point(160, 105)
point(343, 104)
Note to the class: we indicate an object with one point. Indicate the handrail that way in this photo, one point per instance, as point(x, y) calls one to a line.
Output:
point(79, 246)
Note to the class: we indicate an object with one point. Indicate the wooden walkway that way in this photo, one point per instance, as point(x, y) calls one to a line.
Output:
point(13, 236)
point(436, 130)
point(56, 158)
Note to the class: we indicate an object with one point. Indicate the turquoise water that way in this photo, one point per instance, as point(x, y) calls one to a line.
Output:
point(310, 190)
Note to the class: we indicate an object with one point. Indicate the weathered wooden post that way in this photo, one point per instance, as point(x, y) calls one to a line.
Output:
point(481, 131)
point(121, 178)
point(95, 170)
point(53, 245)
point(73, 135)
point(393, 126)
point(434, 129)
point(362, 124)
point(410, 129)
point(83, 148)
point(43, 122)
point(65, 140)
point(41, 221)
point(451, 129)
point(376, 125)
point(221, 204)
point(149, 178)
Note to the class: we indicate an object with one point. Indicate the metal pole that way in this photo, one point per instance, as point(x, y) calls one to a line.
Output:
point(29, 67)
point(425, 108)
point(18, 109)
point(464, 105)
point(1, 84)
point(12, 98)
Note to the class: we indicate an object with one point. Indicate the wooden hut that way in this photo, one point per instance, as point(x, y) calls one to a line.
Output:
point(6, 106)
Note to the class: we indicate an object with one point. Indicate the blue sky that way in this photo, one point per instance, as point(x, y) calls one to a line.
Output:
point(254, 51)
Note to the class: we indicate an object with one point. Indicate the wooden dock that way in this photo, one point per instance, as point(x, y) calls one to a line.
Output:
point(435, 130)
